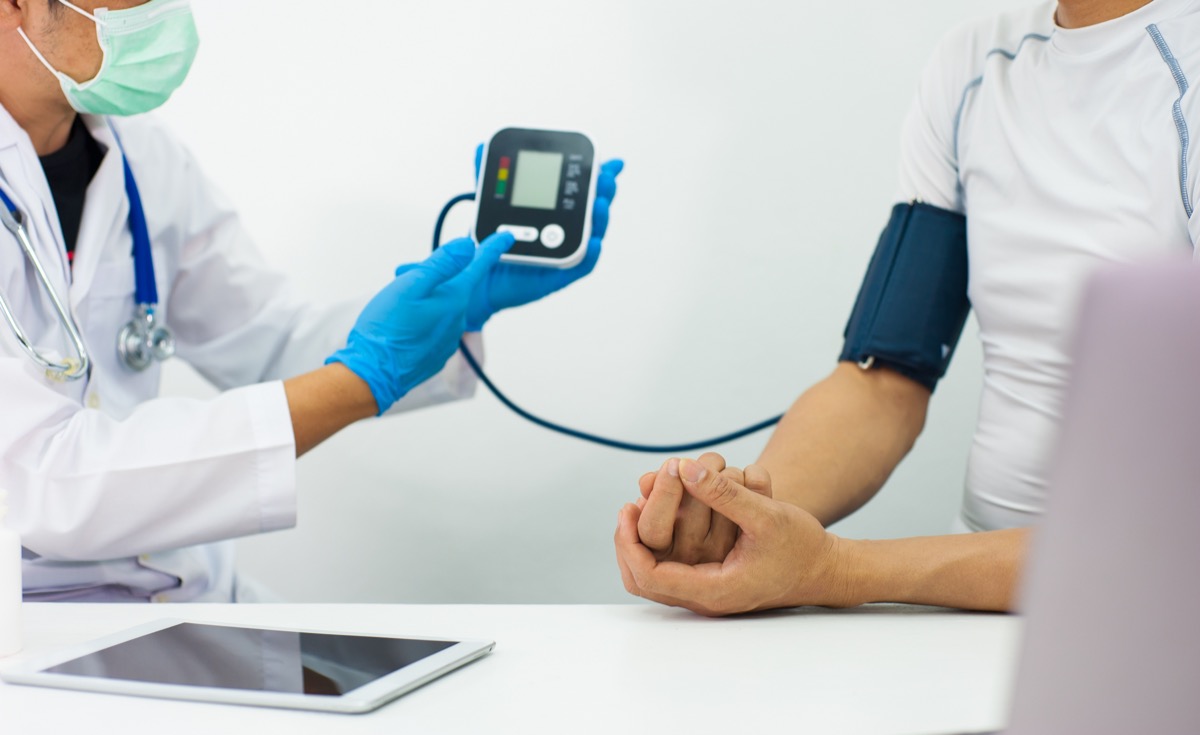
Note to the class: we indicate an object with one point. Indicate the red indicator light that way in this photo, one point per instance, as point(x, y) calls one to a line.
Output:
point(504, 161)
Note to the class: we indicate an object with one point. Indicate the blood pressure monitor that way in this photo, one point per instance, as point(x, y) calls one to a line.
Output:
point(538, 185)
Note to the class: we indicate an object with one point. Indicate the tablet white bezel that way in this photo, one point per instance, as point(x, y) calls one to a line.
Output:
point(363, 699)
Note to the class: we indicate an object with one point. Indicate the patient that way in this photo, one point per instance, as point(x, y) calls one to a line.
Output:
point(1043, 206)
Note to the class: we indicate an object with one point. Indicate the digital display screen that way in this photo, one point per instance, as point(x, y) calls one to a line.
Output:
point(536, 179)
point(191, 654)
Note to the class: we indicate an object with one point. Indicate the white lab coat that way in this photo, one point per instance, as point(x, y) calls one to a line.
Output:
point(117, 493)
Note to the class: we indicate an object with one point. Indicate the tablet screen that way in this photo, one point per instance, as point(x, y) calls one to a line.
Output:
point(192, 654)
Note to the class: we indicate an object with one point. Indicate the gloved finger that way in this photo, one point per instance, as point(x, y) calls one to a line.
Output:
point(606, 180)
point(478, 161)
point(486, 255)
point(600, 217)
point(612, 169)
point(462, 248)
point(445, 263)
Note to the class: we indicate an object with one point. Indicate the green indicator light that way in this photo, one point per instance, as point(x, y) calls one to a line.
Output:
point(501, 187)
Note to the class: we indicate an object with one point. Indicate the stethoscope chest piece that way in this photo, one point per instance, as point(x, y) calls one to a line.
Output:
point(143, 340)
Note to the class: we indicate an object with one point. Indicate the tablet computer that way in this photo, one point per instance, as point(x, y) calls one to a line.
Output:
point(269, 667)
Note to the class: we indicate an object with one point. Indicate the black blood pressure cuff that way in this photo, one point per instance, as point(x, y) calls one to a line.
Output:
point(913, 302)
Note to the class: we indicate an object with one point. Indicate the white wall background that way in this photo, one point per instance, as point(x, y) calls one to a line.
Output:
point(761, 143)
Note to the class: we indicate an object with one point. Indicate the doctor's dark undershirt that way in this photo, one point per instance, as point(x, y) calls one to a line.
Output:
point(69, 170)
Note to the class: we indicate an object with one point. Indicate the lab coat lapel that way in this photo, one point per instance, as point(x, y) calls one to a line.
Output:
point(25, 180)
point(105, 214)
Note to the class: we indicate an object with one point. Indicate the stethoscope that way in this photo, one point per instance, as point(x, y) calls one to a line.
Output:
point(140, 342)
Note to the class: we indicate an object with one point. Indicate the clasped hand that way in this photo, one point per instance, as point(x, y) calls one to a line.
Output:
point(711, 538)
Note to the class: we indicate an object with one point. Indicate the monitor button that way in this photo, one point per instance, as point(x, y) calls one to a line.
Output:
point(520, 233)
point(553, 236)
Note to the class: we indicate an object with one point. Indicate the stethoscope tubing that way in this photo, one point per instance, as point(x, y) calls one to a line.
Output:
point(14, 222)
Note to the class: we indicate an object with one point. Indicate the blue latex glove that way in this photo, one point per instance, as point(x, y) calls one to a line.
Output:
point(411, 328)
point(508, 285)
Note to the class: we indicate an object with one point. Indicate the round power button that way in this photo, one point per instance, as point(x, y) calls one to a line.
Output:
point(553, 236)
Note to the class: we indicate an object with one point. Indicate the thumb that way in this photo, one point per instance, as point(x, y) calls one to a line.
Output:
point(487, 255)
point(746, 508)
point(445, 263)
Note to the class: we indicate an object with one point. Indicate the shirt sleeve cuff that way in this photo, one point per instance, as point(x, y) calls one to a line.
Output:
point(271, 423)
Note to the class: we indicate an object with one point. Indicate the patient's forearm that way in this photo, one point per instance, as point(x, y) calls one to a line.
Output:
point(841, 440)
point(973, 571)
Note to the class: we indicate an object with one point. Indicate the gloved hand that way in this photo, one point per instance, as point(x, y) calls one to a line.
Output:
point(509, 285)
point(411, 328)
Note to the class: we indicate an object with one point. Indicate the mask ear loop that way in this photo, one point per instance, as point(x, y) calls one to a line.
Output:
point(61, 77)
point(57, 74)
point(82, 12)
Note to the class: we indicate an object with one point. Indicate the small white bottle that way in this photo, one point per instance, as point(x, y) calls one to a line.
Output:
point(10, 584)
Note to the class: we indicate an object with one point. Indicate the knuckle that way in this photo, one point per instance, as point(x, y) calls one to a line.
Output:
point(723, 491)
point(654, 535)
point(735, 474)
point(759, 480)
point(668, 490)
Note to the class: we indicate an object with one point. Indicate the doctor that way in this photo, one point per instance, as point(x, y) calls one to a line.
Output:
point(119, 494)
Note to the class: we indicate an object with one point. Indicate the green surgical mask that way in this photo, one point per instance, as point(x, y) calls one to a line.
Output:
point(148, 51)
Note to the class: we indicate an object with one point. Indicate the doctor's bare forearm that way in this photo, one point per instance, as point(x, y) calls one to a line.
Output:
point(326, 401)
point(842, 438)
point(971, 571)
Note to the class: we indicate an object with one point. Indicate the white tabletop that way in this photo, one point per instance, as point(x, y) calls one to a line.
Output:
point(574, 669)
